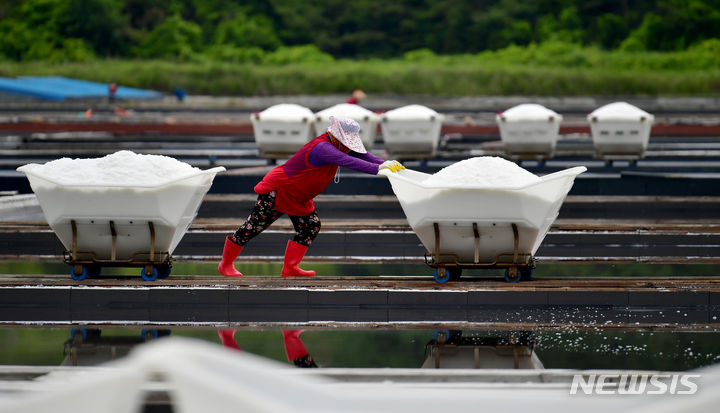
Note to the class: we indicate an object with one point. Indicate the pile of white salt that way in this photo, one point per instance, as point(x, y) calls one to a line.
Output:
point(123, 168)
point(486, 171)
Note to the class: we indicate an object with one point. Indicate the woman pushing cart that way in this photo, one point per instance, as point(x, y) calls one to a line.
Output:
point(291, 187)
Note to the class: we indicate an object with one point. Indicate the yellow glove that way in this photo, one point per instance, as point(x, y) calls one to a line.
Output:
point(393, 166)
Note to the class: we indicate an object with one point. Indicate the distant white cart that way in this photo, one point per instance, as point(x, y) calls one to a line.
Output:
point(481, 227)
point(368, 121)
point(282, 129)
point(529, 131)
point(120, 226)
point(620, 131)
point(411, 131)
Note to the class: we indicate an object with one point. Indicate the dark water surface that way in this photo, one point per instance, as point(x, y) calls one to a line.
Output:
point(571, 348)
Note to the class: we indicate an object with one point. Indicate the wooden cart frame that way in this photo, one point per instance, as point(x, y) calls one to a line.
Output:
point(157, 264)
point(449, 267)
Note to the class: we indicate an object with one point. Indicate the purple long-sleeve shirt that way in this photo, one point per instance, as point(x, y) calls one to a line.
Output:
point(326, 153)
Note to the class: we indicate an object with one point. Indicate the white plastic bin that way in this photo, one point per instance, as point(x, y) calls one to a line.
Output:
point(367, 120)
point(411, 131)
point(282, 129)
point(529, 130)
point(171, 207)
point(620, 130)
point(532, 208)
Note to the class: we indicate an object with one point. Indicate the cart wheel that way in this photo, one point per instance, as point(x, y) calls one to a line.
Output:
point(526, 274)
point(151, 277)
point(442, 336)
point(78, 335)
point(442, 275)
point(81, 269)
point(455, 273)
point(512, 275)
point(148, 335)
point(93, 270)
point(164, 270)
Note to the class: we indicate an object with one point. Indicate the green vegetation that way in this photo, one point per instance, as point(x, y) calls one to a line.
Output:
point(75, 30)
point(548, 69)
point(448, 47)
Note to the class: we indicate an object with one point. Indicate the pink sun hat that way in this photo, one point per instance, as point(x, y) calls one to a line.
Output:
point(347, 131)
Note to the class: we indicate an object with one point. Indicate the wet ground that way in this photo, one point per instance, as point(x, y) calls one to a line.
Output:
point(626, 279)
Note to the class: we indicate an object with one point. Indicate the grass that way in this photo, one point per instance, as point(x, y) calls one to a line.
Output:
point(574, 73)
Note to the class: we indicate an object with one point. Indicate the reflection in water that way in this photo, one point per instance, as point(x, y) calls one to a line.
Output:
point(453, 350)
point(87, 347)
point(294, 347)
point(560, 348)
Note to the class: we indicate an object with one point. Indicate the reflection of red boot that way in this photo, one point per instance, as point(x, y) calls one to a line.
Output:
point(230, 252)
point(227, 338)
point(294, 253)
point(295, 349)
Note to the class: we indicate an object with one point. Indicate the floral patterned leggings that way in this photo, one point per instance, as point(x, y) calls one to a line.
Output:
point(264, 214)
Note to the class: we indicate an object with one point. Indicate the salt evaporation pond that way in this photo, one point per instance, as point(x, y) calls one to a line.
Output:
point(564, 348)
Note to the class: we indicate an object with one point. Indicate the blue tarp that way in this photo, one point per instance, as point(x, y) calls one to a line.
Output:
point(63, 88)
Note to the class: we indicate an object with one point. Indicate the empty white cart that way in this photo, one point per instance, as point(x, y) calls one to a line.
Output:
point(620, 131)
point(120, 225)
point(282, 129)
point(411, 131)
point(474, 226)
point(368, 121)
point(529, 131)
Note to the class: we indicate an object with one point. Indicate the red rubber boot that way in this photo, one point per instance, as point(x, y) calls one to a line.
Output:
point(230, 252)
point(227, 338)
point(295, 349)
point(294, 253)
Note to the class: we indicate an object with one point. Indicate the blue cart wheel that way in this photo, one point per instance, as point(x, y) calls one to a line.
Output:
point(526, 274)
point(150, 277)
point(78, 277)
point(164, 271)
point(455, 273)
point(442, 336)
point(79, 333)
point(149, 334)
point(442, 275)
point(512, 278)
point(93, 270)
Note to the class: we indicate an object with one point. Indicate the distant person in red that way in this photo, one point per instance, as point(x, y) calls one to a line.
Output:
point(290, 188)
point(112, 91)
point(294, 347)
point(357, 96)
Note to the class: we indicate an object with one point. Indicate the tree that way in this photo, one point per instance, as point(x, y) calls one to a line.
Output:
point(99, 22)
point(173, 38)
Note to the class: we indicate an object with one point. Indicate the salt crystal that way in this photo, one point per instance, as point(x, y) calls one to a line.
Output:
point(483, 171)
point(529, 112)
point(286, 112)
point(123, 168)
point(619, 111)
point(346, 110)
point(411, 112)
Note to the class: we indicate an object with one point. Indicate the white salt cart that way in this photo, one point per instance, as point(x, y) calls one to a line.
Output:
point(118, 225)
point(529, 131)
point(411, 131)
point(281, 130)
point(367, 120)
point(620, 131)
point(479, 226)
